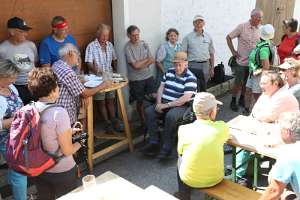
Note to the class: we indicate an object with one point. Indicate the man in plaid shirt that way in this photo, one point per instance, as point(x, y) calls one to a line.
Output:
point(70, 87)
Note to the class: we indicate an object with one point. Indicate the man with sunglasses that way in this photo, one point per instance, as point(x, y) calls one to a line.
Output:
point(50, 45)
point(20, 51)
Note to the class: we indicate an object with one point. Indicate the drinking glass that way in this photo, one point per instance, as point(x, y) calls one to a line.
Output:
point(88, 181)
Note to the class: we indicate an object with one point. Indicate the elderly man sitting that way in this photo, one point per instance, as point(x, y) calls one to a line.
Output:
point(177, 88)
point(286, 170)
point(274, 100)
point(200, 147)
point(70, 87)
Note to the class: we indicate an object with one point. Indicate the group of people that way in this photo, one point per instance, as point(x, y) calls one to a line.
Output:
point(50, 76)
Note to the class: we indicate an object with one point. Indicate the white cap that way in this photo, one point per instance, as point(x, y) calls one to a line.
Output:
point(198, 17)
point(204, 101)
point(297, 49)
point(267, 32)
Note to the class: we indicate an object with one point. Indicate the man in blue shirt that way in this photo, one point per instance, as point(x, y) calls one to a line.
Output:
point(48, 50)
point(177, 88)
point(287, 168)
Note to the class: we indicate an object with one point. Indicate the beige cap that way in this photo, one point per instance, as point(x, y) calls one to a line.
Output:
point(286, 65)
point(198, 17)
point(204, 101)
point(180, 56)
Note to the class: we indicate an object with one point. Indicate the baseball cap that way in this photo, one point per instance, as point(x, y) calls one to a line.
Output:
point(18, 23)
point(197, 17)
point(180, 56)
point(204, 101)
point(286, 65)
point(267, 32)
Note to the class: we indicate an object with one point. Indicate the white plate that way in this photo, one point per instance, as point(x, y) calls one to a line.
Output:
point(92, 77)
point(115, 75)
point(92, 83)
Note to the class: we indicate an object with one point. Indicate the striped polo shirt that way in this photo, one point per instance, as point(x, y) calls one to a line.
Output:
point(176, 86)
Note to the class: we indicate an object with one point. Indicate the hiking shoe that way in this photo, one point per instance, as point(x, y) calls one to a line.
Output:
point(234, 107)
point(246, 112)
point(150, 149)
point(241, 102)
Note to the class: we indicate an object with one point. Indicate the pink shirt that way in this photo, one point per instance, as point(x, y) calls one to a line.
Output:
point(56, 121)
point(269, 108)
point(247, 36)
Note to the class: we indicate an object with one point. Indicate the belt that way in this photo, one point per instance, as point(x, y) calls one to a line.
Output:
point(199, 61)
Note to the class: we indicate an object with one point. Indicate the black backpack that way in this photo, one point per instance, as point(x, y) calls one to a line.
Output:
point(219, 72)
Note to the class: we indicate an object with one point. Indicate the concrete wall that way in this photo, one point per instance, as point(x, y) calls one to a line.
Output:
point(297, 10)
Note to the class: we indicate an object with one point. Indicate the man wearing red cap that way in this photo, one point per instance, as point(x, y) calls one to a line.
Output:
point(50, 45)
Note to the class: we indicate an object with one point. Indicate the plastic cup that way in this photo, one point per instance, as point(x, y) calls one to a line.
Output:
point(88, 181)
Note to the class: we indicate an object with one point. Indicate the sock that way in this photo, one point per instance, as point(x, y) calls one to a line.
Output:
point(233, 99)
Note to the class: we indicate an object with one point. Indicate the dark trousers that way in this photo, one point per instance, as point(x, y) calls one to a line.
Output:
point(25, 94)
point(201, 72)
point(51, 186)
point(183, 189)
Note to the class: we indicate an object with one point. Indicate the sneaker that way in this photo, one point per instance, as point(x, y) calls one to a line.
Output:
point(241, 102)
point(150, 149)
point(118, 125)
point(164, 154)
point(234, 107)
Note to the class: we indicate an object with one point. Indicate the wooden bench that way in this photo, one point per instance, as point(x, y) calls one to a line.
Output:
point(228, 190)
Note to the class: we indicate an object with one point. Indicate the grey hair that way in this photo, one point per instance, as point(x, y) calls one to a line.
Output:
point(204, 114)
point(256, 11)
point(66, 48)
point(8, 68)
point(101, 28)
point(291, 122)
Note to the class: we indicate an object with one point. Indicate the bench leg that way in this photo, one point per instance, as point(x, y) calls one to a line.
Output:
point(255, 171)
point(233, 163)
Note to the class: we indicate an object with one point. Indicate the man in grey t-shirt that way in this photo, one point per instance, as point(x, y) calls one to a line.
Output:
point(200, 49)
point(139, 59)
point(20, 51)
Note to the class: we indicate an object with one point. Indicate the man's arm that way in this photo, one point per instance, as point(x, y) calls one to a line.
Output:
point(265, 64)
point(159, 93)
point(92, 68)
point(212, 64)
point(182, 100)
point(87, 92)
point(273, 191)
point(139, 64)
point(231, 47)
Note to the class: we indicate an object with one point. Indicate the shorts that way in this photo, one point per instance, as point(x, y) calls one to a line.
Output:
point(100, 96)
point(241, 74)
point(138, 89)
point(253, 84)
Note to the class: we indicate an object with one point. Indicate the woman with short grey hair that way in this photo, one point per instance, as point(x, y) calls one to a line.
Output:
point(10, 102)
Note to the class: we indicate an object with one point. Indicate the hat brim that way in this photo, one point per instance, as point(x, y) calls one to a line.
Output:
point(285, 65)
point(219, 102)
point(25, 28)
point(176, 61)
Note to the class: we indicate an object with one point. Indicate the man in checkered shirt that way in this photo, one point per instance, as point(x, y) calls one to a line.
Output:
point(70, 87)
point(100, 55)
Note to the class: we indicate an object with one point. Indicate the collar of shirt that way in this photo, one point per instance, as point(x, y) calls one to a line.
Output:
point(199, 34)
point(173, 46)
point(252, 27)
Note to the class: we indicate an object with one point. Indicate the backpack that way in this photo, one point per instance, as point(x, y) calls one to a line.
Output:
point(273, 57)
point(24, 151)
point(219, 73)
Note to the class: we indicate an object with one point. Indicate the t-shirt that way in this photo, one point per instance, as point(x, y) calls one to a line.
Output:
point(134, 53)
point(269, 108)
point(176, 86)
point(264, 54)
point(56, 121)
point(9, 51)
point(286, 47)
point(49, 47)
point(286, 169)
point(295, 90)
point(201, 146)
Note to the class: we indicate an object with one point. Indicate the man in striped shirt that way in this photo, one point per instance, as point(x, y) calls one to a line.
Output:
point(178, 87)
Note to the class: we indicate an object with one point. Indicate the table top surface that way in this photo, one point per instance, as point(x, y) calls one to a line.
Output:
point(252, 135)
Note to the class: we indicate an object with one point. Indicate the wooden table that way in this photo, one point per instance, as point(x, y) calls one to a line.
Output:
point(251, 135)
point(109, 186)
point(123, 139)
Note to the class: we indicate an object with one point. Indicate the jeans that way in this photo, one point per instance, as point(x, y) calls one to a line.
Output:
point(171, 116)
point(17, 181)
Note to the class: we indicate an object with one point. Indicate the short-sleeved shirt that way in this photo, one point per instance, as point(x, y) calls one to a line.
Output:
point(287, 45)
point(55, 121)
point(166, 53)
point(248, 36)
point(176, 86)
point(198, 46)
point(134, 53)
point(264, 53)
point(96, 55)
point(28, 48)
point(48, 50)
point(201, 146)
point(70, 89)
point(286, 169)
point(295, 90)
point(269, 108)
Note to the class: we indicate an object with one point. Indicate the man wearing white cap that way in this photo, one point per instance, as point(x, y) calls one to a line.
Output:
point(260, 59)
point(200, 147)
point(247, 35)
point(289, 74)
point(200, 49)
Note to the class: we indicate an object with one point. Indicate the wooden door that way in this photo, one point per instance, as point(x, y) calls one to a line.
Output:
point(275, 11)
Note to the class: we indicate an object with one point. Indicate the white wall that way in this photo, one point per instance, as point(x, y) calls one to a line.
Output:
point(297, 10)
point(221, 17)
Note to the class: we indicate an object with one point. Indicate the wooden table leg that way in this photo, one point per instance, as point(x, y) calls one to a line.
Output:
point(90, 131)
point(233, 167)
point(125, 118)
